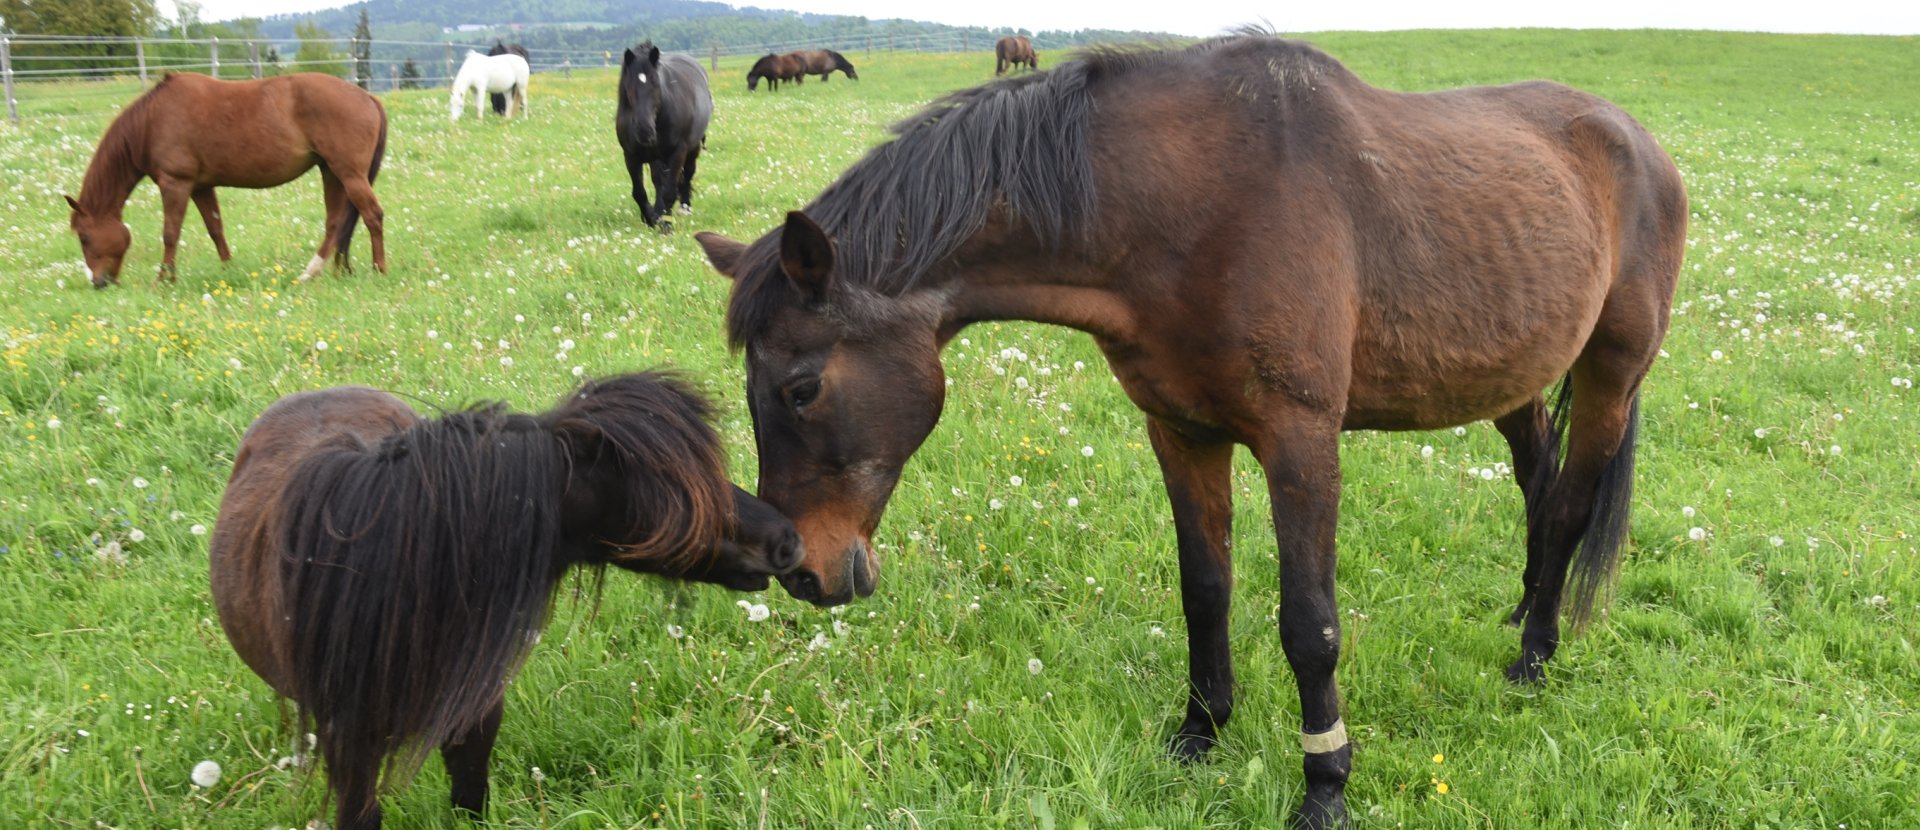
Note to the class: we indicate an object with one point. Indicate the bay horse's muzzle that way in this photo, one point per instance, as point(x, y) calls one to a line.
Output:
point(858, 579)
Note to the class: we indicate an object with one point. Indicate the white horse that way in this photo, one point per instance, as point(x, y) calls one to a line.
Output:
point(481, 75)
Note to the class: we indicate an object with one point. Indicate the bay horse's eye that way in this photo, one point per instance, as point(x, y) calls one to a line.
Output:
point(803, 392)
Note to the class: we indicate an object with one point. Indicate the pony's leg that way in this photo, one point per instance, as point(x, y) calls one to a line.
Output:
point(1536, 448)
point(666, 177)
point(355, 784)
point(686, 180)
point(209, 206)
point(1198, 480)
point(335, 192)
point(637, 171)
point(1587, 505)
point(466, 757)
point(174, 194)
point(1302, 462)
point(360, 192)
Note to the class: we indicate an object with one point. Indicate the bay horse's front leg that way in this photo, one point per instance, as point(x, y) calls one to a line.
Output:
point(466, 757)
point(209, 207)
point(1303, 477)
point(174, 194)
point(1199, 485)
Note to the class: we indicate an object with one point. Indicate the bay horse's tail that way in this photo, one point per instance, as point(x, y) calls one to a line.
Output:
point(353, 211)
point(1596, 560)
point(841, 63)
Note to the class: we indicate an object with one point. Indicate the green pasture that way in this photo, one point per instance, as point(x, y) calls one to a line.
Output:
point(1755, 669)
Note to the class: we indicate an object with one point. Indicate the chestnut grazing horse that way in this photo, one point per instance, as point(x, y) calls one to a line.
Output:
point(1011, 52)
point(823, 62)
point(389, 573)
point(661, 121)
point(774, 69)
point(1306, 254)
point(271, 132)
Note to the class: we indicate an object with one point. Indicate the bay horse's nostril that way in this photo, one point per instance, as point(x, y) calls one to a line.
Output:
point(785, 553)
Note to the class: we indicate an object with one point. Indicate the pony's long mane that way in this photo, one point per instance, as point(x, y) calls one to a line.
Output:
point(116, 165)
point(1020, 143)
point(840, 62)
point(764, 66)
point(420, 569)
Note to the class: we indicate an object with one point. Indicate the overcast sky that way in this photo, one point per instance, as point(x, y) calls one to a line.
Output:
point(1208, 17)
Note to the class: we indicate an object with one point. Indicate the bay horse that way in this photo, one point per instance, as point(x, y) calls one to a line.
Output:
point(483, 75)
point(823, 62)
point(774, 69)
point(499, 99)
point(661, 122)
point(390, 573)
point(1013, 51)
point(271, 132)
point(1306, 254)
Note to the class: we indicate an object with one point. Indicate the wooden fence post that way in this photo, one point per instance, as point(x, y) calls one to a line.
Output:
point(214, 49)
point(566, 69)
point(253, 58)
point(713, 57)
point(140, 53)
point(449, 64)
point(6, 72)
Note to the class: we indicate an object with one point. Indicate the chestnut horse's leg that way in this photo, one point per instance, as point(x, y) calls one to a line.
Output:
point(1302, 463)
point(1536, 447)
point(360, 192)
point(209, 207)
point(174, 194)
point(1198, 480)
point(466, 757)
point(335, 193)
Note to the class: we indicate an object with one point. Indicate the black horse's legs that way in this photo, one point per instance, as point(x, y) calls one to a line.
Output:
point(466, 759)
point(686, 179)
point(666, 179)
point(355, 783)
point(637, 170)
point(1535, 462)
point(1197, 477)
point(1303, 478)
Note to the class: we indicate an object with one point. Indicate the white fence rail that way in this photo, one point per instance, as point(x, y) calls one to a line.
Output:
point(66, 58)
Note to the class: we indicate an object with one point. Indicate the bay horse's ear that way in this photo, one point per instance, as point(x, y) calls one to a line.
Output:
point(629, 57)
point(806, 255)
point(724, 253)
point(653, 55)
point(71, 203)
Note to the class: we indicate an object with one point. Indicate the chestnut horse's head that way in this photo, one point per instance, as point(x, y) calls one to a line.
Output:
point(103, 242)
point(843, 385)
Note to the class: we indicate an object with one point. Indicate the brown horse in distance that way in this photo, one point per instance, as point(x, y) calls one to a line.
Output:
point(1304, 254)
point(389, 573)
point(823, 62)
point(776, 68)
point(1013, 51)
point(269, 132)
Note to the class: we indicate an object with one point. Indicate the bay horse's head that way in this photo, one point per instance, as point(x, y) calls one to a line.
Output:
point(843, 385)
point(647, 489)
point(641, 92)
point(103, 242)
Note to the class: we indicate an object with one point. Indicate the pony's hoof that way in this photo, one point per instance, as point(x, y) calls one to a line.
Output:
point(1526, 671)
point(1323, 813)
point(1188, 747)
point(665, 227)
point(684, 210)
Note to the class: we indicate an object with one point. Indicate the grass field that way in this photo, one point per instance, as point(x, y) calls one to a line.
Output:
point(1756, 668)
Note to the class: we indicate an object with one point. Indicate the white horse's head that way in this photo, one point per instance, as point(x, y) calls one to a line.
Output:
point(472, 72)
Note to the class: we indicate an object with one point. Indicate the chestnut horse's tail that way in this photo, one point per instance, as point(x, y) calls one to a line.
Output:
point(353, 211)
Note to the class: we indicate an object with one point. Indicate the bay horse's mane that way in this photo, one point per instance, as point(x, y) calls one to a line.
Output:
point(420, 569)
point(115, 168)
point(1018, 143)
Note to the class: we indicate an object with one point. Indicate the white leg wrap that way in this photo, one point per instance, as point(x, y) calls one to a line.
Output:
point(1324, 742)
point(313, 268)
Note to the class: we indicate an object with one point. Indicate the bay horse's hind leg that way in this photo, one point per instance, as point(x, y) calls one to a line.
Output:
point(335, 193)
point(1198, 481)
point(1535, 442)
point(466, 758)
point(1582, 521)
point(209, 206)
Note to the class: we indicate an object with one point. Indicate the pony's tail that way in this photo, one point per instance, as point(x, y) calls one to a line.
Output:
point(1598, 558)
point(841, 63)
point(353, 211)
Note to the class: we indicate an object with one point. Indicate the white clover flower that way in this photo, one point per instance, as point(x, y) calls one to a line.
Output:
point(755, 611)
point(579, 370)
point(1426, 451)
point(136, 535)
point(53, 423)
point(1015, 481)
point(1687, 511)
point(198, 530)
point(139, 483)
point(537, 775)
point(1156, 631)
point(1459, 430)
point(1087, 451)
point(819, 641)
point(320, 345)
point(206, 774)
point(1073, 501)
point(1697, 534)
point(675, 631)
point(995, 504)
point(506, 361)
point(1776, 541)
point(1034, 666)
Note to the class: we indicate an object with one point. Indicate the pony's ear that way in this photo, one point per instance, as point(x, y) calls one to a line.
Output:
point(806, 255)
point(628, 58)
point(653, 55)
point(724, 253)
point(71, 203)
